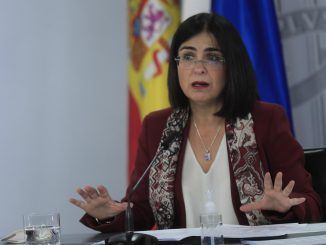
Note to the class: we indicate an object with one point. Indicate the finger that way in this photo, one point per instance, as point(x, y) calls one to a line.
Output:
point(251, 206)
point(297, 201)
point(77, 203)
point(92, 192)
point(84, 194)
point(288, 189)
point(103, 192)
point(268, 183)
point(278, 182)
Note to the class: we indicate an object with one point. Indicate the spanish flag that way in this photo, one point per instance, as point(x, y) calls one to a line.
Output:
point(152, 24)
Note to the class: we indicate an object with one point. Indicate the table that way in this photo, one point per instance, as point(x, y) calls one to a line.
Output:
point(81, 239)
point(90, 238)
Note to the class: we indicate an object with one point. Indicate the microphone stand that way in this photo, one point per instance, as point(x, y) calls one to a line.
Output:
point(129, 221)
point(129, 237)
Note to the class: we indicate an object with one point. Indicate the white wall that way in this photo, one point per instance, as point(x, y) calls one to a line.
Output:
point(63, 105)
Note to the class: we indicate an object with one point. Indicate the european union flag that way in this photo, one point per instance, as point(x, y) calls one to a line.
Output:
point(257, 24)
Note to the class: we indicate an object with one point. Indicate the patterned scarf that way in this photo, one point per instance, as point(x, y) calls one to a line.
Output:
point(244, 158)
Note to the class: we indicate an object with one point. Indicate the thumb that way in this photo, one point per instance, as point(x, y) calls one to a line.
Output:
point(250, 206)
point(124, 205)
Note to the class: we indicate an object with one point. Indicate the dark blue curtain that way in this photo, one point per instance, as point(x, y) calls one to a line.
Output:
point(257, 24)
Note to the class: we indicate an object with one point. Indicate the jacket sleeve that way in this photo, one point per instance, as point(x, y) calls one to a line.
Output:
point(142, 212)
point(284, 154)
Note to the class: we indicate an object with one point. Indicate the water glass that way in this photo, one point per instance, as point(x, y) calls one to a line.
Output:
point(42, 228)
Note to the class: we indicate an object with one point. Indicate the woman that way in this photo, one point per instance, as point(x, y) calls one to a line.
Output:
point(218, 137)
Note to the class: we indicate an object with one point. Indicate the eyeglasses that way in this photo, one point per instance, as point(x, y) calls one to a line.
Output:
point(186, 62)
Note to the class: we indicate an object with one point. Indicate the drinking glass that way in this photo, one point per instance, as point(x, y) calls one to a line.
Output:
point(42, 228)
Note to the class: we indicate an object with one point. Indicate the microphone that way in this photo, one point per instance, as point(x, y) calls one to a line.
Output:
point(129, 237)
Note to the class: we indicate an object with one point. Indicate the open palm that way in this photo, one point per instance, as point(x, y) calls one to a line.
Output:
point(274, 198)
point(98, 203)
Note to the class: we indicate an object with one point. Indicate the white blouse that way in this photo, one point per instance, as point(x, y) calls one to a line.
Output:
point(196, 183)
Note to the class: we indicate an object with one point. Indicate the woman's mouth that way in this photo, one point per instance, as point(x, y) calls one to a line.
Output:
point(199, 84)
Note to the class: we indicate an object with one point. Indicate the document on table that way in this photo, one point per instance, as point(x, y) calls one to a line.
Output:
point(17, 237)
point(311, 240)
point(234, 231)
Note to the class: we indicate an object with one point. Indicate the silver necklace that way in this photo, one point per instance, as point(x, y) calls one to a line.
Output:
point(207, 154)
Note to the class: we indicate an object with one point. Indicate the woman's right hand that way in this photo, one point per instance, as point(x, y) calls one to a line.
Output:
point(98, 203)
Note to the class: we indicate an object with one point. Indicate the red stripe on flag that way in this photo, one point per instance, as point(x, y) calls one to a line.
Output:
point(134, 131)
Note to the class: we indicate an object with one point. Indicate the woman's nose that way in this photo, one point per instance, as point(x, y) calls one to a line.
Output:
point(199, 66)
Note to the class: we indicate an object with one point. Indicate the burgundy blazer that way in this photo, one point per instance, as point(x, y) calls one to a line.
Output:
point(278, 151)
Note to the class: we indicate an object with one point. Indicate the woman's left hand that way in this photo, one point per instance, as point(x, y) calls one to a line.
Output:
point(274, 198)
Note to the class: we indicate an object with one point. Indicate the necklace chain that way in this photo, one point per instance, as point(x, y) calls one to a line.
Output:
point(207, 154)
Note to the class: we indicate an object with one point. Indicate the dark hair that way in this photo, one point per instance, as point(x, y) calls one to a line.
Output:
point(240, 92)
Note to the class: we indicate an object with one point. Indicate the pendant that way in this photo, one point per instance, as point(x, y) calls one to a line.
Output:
point(207, 156)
